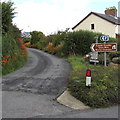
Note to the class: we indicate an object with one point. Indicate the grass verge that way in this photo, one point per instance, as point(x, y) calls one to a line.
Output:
point(104, 89)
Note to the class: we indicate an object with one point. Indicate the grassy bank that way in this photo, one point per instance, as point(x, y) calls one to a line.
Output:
point(14, 54)
point(104, 89)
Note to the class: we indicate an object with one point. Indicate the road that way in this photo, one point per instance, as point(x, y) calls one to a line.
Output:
point(31, 91)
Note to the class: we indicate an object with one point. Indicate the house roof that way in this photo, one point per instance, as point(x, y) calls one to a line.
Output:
point(26, 34)
point(112, 19)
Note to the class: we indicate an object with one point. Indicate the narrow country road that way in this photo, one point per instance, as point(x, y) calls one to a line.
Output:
point(43, 74)
point(31, 91)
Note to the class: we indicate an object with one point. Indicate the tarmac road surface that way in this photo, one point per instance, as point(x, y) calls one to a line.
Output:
point(31, 91)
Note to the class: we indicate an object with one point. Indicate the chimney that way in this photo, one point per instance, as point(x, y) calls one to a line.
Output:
point(111, 11)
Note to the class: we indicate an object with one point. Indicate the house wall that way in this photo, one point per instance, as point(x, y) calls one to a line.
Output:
point(100, 24)
point(117, 29)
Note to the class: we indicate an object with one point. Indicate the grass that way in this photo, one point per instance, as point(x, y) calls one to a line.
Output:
point(12, 66)
point(104, 88)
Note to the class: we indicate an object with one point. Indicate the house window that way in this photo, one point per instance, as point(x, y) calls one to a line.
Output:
point(92, 26)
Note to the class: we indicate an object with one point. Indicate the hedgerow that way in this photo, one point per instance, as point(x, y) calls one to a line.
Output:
point(14, 54)
point(69, 43)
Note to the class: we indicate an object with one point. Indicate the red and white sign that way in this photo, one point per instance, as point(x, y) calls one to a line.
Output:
point(104, 47)
point(88, 78)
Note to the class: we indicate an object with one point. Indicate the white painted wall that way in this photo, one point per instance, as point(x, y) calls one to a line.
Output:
point(117, 29)
point(100, 24)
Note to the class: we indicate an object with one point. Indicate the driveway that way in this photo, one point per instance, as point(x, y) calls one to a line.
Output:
point(31, 91)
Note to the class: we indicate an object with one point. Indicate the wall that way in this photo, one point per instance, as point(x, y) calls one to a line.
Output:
point(101, 25)
point(117, 30)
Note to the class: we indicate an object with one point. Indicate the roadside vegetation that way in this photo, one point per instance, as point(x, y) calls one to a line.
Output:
point(65, 43)
point(14, 54)
point(73, 46)
point(104, 87)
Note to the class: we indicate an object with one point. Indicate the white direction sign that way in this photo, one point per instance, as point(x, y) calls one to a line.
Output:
point(94, 55)
point(104, 38)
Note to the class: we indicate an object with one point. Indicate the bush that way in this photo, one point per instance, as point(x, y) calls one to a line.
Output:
point(114, 54)
point(25, 39)
point(37, 37)
point(116, 60)
point(101, 59)
point(70, 43)
point(54, 43)
point(78, 42)
point(14, 54)
point(73, 43)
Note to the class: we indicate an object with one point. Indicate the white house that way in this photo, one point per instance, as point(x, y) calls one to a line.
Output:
point(26, 34)
point(108, 23)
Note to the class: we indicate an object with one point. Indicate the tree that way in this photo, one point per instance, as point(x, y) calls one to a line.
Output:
point(37, 36)
point(7, 15)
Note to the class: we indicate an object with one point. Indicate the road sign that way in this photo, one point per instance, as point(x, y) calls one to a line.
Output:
point(104, 47)
point(95, 61)
point(94, 55)
point(104, 38)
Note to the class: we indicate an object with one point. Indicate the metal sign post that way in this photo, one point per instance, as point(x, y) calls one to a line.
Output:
point(96, 52)
point(105, 38)
point(103, 47)
point(105, 58)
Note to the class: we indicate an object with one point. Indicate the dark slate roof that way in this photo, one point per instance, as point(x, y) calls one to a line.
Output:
point(112, 19)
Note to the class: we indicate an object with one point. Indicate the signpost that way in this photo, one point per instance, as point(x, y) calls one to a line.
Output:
point(104, 38)
point(104, 47)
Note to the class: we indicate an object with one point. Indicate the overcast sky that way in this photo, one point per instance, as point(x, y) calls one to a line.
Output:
point(50, 16)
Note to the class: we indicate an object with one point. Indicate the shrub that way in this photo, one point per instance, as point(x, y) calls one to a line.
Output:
point(26, 39)
point(14, 54)
point(101, 59)
point(116, 60)
point(71, 43)
point(37, 37)
point(75, 43)
point(114, 54)
point(78, 42)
